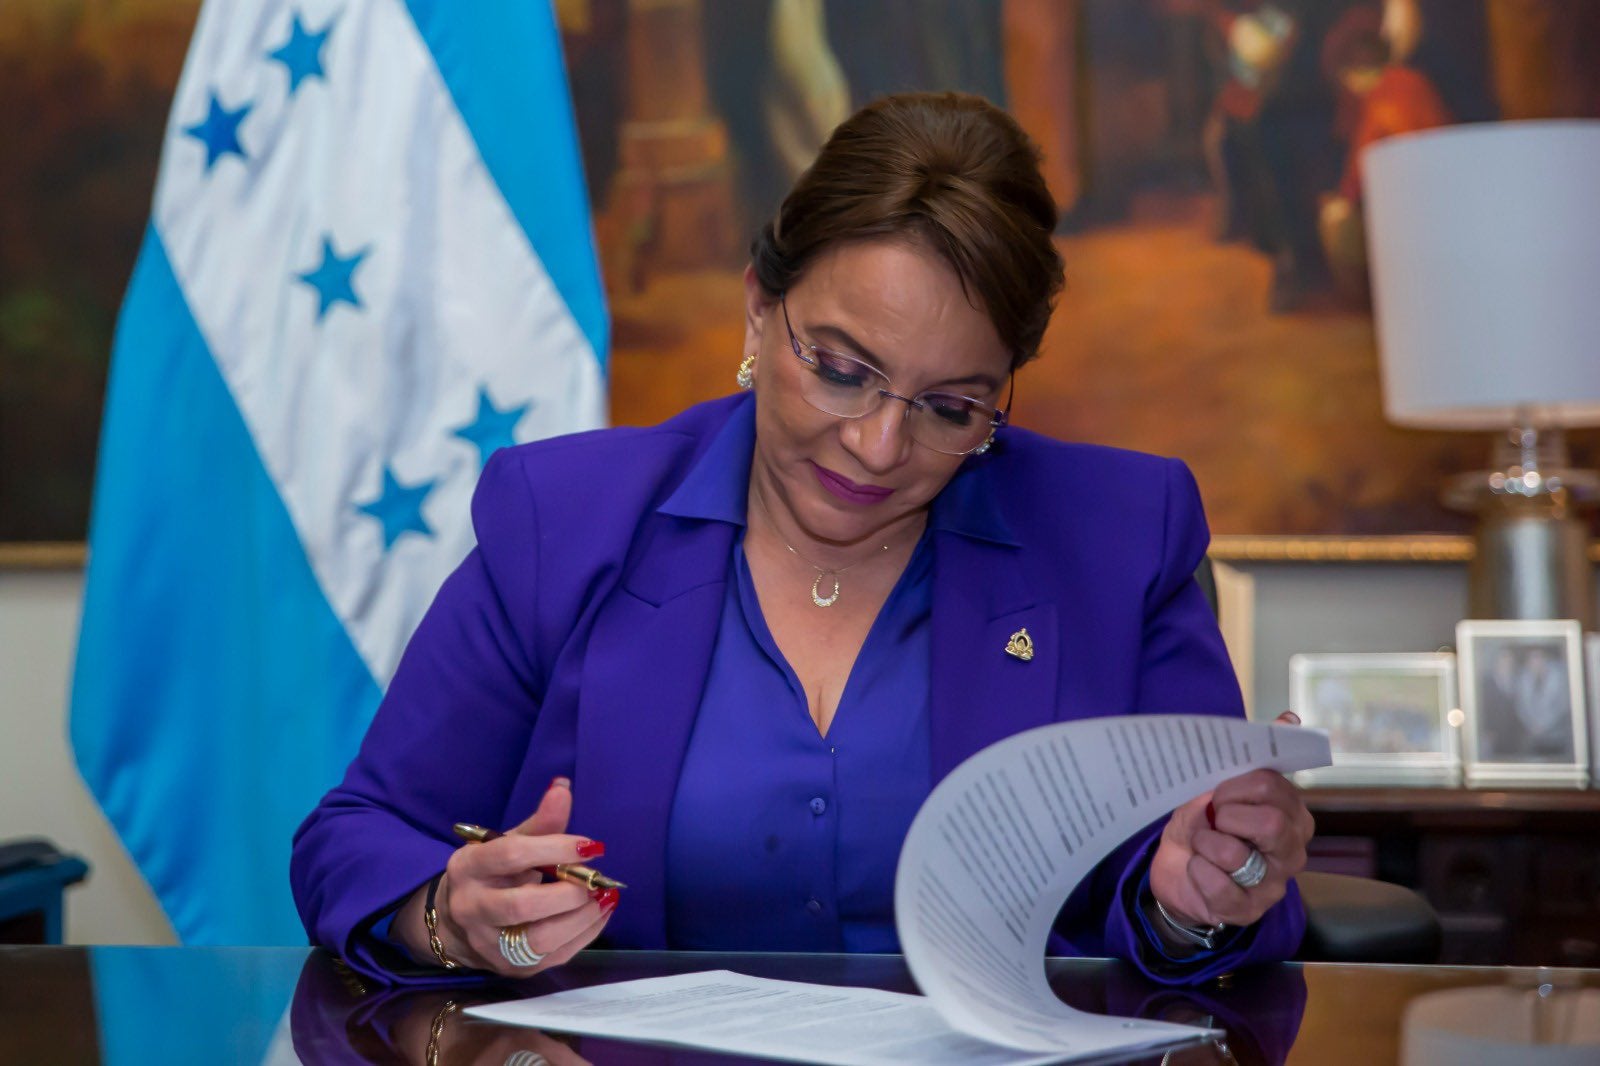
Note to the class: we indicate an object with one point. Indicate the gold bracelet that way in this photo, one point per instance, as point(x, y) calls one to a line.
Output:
point(430, 917)
point(436, 1032)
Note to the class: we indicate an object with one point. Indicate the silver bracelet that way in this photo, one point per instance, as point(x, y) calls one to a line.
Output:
point(1204, 936)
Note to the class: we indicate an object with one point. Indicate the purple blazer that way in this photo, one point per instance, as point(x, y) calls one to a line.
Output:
point(575, 639)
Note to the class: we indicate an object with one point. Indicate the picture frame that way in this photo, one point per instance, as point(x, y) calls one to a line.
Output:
point(1150, 115)
point(1392, 717)
point(1591, 656)
point(1522, 693)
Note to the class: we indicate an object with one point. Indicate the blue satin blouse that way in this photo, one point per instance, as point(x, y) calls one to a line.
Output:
point(780, 838)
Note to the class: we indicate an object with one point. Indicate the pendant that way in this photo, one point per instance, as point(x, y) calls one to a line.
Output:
point(816, 591)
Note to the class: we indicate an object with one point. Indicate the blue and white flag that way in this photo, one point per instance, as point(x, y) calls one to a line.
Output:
point(369, 264)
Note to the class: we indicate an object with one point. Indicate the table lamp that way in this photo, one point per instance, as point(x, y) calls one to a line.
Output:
point(1484, 250)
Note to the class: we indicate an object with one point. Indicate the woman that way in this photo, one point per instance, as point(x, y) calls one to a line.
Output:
point(740, 647)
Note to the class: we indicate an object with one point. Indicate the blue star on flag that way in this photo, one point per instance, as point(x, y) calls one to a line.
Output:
point(399, 508)
point(219, 131)
point(493, 428)
point(301, 54)
point(333, 278)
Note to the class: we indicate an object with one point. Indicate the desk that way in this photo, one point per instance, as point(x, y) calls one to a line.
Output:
point(68, 1005)
point(1514, 875)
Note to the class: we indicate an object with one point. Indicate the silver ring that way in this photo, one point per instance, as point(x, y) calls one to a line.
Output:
point(514, 947)
point(1253, 872)
point(526, 1058)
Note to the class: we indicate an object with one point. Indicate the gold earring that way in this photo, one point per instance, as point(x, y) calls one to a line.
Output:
point(746, 377)
point(988, 442)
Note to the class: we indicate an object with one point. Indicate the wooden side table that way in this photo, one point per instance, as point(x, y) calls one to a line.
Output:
point(1514, 875)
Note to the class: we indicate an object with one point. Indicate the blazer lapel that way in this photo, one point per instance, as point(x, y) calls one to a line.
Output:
point(643, 677)
point(980, 693)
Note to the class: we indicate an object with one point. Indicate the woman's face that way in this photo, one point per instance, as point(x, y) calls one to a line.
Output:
point(896, 307)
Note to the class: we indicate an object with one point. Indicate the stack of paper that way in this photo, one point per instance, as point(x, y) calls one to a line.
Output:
point(987, 865)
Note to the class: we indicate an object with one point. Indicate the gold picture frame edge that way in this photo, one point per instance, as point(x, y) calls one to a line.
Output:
point(1393, 548)
point(43, 555)
point(1225, 548)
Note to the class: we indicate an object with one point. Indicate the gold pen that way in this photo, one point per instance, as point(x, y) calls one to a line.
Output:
point(577, 873)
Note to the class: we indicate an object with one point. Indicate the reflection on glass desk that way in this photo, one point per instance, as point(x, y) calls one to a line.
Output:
point(293, 1005)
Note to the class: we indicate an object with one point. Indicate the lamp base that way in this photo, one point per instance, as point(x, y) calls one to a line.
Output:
point(1532, 561)
point(1532, 546)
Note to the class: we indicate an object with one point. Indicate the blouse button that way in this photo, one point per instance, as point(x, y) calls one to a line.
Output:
point(818, 805)
point(814, 906)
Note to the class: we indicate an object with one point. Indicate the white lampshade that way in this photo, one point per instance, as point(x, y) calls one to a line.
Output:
point(1484, 245)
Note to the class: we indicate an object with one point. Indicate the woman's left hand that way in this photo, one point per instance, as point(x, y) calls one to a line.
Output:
point(1262, 810)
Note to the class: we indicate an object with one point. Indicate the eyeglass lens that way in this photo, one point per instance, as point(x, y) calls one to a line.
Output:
point(848, 388)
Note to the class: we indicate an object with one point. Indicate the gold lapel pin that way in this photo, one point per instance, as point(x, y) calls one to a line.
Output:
point(1020, 646)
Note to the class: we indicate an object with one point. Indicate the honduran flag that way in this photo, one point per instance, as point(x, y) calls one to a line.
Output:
point(369, 264)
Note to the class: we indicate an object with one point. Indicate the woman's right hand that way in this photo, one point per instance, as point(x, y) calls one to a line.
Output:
point(497, 884)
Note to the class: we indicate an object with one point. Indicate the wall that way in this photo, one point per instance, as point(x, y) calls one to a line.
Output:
point(41, 793)
point(1271, 610)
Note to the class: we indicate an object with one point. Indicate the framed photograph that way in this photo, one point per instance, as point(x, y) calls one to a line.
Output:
point(1522, 691)
point(1591, 656)
point(1390, 717)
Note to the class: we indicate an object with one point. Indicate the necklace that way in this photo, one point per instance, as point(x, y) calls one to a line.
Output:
point(816, 586)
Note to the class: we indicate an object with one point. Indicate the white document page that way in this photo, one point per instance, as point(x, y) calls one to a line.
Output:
point(989, 861)
point(788, 1020)
point(1002, 841)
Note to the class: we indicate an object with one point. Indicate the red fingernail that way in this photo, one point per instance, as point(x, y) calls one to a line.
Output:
point(591, 849)
point(608, 899)
point(1211, 815)
point(560, 782)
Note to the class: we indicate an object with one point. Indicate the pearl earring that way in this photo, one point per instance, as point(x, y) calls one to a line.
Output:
point(746, 377)
point(988, 442)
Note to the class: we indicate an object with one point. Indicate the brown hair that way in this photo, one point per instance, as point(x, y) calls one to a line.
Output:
point(947, 169)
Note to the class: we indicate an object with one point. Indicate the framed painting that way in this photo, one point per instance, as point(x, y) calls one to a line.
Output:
point(1202, 152)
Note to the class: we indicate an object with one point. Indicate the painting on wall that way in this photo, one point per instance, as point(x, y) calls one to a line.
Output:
point(1203, 153)
point(85, 87)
